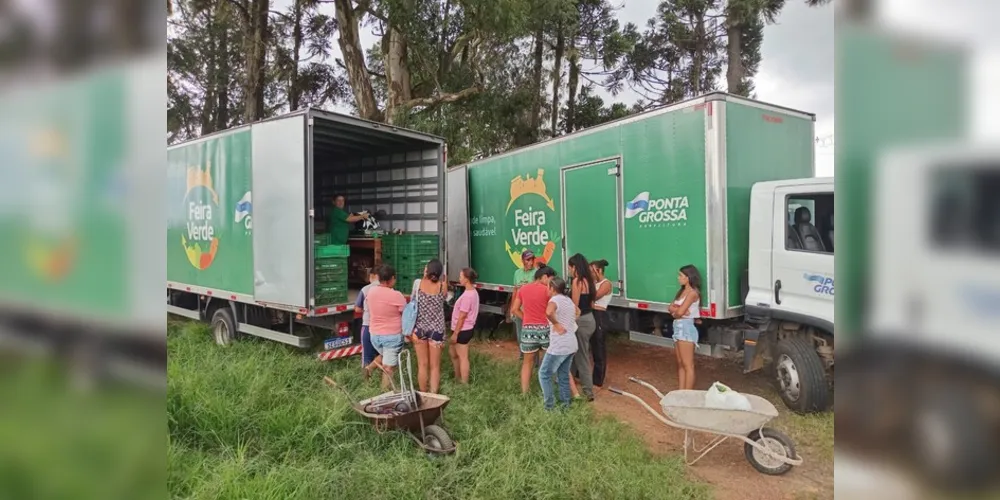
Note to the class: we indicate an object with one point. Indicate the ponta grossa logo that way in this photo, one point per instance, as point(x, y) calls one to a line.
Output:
point(530, 211)
point(657, 211)
point(201, 204)
point(244, 212)
point(821, 284)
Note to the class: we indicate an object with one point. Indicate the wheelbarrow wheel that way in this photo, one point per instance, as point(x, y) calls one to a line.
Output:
point(437, 440)
point(775, 441)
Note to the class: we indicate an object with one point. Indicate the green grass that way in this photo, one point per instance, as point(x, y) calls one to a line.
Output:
point(254, 420)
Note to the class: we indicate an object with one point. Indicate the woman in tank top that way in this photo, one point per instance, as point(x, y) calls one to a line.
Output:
point(602, 297)
point(583, 295)
point(428, 334)
point(685, 309)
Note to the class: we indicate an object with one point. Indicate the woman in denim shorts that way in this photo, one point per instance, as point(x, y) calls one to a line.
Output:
point(429, 292)
point(685, 309)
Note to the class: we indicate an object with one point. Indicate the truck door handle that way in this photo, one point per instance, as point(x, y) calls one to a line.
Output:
point(777, 294)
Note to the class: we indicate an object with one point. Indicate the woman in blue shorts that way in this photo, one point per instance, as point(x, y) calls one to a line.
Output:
point(685, 309)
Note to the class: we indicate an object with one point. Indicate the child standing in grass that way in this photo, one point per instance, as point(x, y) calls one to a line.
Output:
point(463, 324)
point(562, 314)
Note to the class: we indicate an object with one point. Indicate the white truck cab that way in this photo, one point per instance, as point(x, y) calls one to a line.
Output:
point(790, 288)
point(923, 374)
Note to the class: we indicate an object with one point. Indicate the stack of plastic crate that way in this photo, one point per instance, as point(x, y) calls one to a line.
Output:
point(323, 239)
point(331, 274)
point(408, 254)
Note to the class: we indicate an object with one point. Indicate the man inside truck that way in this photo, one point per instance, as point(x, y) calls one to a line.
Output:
point(340, 222)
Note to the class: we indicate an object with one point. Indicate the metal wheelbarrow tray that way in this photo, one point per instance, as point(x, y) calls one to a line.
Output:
point(398, 413)
point(768, 450)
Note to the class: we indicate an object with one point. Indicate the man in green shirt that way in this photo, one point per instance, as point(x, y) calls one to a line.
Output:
point(339, 223)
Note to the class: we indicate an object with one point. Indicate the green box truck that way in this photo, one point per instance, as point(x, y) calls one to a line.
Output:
point(243, 209)
point(719, 181)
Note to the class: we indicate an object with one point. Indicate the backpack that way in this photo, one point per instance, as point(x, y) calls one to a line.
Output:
point(410, 312)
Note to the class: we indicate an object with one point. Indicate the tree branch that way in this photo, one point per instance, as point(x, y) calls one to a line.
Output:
point(371, 72)
point(243, 9)
point(431, 102)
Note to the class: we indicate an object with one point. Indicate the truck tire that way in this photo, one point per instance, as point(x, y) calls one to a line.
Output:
point(950, 437)
point(800, 376)
point(223, 325)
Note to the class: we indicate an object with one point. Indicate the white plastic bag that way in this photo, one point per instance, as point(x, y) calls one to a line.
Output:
point(722, 397)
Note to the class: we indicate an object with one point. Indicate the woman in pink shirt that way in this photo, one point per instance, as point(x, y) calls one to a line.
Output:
point(385, 323)
point(463, 323)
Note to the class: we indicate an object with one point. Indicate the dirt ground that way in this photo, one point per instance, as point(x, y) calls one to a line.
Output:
point(725, 467)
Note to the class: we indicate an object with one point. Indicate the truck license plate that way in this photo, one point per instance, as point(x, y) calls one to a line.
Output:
point(330, 344)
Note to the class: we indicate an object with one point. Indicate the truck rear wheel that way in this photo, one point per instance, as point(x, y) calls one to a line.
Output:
point(223, 326)
point(951, 442)
point(800, 376)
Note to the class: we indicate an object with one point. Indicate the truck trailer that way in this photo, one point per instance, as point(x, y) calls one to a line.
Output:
point(245, 205)
point(721, 182)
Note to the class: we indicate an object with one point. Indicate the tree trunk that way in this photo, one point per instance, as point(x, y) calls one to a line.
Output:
point(734, 41)
point(256, 61)
point(349, 40)
point(573, 83)
point(698, 57)
point(535, 120)
point(397, 72)
point(557, 76)
point(294, 86)
point(212, 74)
point(222, 110)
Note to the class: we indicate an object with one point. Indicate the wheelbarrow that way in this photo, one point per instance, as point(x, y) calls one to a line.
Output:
point(768, 450)
point(418, 414)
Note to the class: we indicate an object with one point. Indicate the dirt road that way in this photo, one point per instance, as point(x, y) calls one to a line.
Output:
point(725, 468)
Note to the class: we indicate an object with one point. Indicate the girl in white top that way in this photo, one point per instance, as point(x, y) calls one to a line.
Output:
point(562, 314)
point(685, 309)
point(602, 297)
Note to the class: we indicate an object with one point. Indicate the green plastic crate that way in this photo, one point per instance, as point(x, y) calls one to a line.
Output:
point(323, 239)
point(336, 298)
point(333, 251)
point(331, 264)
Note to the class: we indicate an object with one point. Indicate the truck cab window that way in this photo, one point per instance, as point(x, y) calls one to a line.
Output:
point(966, 208)
point(810, 223)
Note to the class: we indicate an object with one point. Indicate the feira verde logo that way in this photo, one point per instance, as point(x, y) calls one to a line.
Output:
point(201, 204)
point(529, 213)
point(51, 245)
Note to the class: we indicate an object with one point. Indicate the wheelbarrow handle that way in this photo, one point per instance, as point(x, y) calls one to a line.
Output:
point(647, 385)
point(330, 382)
point(616, 391)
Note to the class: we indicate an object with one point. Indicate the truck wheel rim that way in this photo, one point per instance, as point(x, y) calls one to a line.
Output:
point(937, 440)
point(788, 378)
point(221, 331)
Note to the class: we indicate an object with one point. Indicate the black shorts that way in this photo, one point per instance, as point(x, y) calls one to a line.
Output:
point(465, 336)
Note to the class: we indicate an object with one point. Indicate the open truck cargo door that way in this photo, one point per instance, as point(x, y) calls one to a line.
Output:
point(456, 221)
point(279, 211)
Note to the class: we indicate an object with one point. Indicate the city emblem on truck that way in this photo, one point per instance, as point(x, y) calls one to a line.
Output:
point(244, 212)
point(201, 205)
point(530, 210)
point(821, 284)
point(653, 212)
